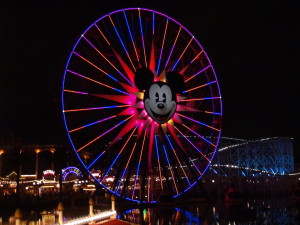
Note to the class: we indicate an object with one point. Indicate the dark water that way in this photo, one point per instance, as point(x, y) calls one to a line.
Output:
point(273, 211)
point(259, 212)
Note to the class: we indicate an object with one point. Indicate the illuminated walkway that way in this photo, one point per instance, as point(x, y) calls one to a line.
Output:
point(89, 219)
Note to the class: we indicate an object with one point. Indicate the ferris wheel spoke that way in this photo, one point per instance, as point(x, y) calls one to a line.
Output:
point(198, 135)
point(116, 158)
point(187, 160)
point(117, 98)
point(131, 37)
point(100, 136)
point(110, 63)
point(76, 92)
point(96, 159)
point(158, 162)
point(142, 36)
point(96, 67)
point(93, 123)
point(183, 108)
point(125, 169)
point(196, 167)
point(173, 46)
point(199, 99)
point(199, 72)
point(182, 71)
point(170, 168)
point(153, 23)
point(127, 184)
point(102, 34)
point(138, 166)
point(182, 53)
point(122, 43)
point(196, 57)
point(97, 82)
point(196, 121)
point(162, 46)
point(189, 141)
point(200, 86)
point(129, 72)
point(95, 108)
point(180, 164)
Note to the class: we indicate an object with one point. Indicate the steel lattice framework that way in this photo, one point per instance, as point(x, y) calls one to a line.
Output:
point(248, 158)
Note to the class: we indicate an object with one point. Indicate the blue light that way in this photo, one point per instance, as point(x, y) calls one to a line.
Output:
point(95, 160)
point(192, 219)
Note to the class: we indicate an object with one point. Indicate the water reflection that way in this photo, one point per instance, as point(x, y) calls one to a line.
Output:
point(254, 212)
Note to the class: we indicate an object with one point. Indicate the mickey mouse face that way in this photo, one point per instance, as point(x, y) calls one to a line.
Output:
point(160, 102)
point(160, 97)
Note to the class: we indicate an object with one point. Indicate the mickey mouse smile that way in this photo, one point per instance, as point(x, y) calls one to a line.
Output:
point(160, 118)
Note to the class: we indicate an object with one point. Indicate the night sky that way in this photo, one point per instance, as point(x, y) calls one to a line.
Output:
point(254, 47)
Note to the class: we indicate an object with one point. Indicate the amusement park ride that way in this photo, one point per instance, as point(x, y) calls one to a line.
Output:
point(141, 105)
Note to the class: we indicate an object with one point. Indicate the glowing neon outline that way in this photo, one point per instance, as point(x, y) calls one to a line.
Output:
point(109, 44)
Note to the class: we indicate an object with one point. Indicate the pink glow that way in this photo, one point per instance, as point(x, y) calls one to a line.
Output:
point(129, 125)
point(119, 152)
point(141, 128)
point(128, 100)
point(152, 58)
point(139, 105)
point(174, 135)
point(181, 108)
point(128, 111)
point(176, 118)
point(128, 71)
point(95, 139)
point(129, 88)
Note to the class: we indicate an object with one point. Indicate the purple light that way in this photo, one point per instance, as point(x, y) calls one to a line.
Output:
point(130, 33)
point(133, 27)
point(142, 35)
point(124, 47)
point(198, 73)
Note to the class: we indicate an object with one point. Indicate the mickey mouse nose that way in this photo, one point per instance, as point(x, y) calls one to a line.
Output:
point(160, 105)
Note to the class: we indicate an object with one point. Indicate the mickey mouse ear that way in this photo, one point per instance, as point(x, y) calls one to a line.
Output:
point(175, 81)
point(143, 78)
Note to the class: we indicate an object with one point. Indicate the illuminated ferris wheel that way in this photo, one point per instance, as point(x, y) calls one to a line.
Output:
point(141, 105)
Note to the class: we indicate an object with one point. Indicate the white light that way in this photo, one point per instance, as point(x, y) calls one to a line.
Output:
point(92, 218)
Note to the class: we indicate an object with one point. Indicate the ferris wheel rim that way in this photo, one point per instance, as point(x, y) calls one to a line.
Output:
point(63, 104)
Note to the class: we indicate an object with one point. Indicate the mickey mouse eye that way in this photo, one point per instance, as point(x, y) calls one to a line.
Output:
point(164, 97)
point(156, 97)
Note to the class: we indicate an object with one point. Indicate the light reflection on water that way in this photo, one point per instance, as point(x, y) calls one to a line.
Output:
point(271, 212)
